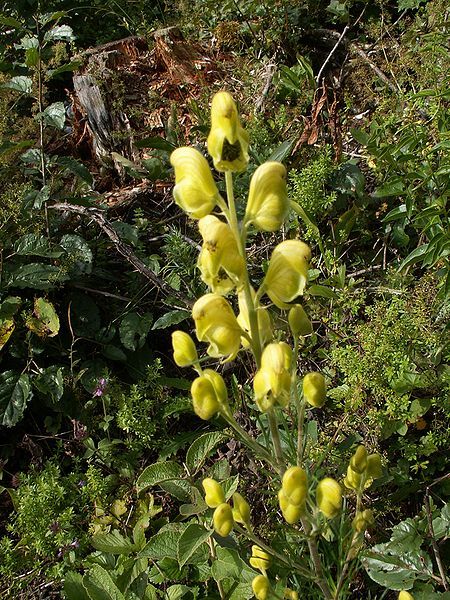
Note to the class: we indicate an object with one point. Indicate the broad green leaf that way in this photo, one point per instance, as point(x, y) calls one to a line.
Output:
point(164, 544)
point(157, 473)
point(46, 18)
point(229, 565)
point(10, 22)
point(390, 188)
point(36, 276)
point(20, 83)
point(50, 382)
point(192, 538)
point(31, 57)
point(360, 136)
point(60, 32)
point(74, 588)
point(133, 330)
point(76, 167)
point(54, 115)
point(395, 214)
point(156, 142)
point(15, 393)
point(31, 244)
point(78, 250)
point(171, 318)
point(113, 542)
point(179, 488)
point(414, 257)
point(68, 67)
point(44, 322)
point(7, 327)
point(100, 585)
point(322, 291)
point(177, 591)
point(201, 448)
point(283, 151)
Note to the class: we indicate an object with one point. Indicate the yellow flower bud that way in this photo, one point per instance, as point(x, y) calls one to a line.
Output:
point(267, 204)
point(299, 322)
point(220, 263)
point(214, 494)
point(374, 469)
point(223, 519)
point(291, 512)
point(216, 323)
point(272, 383)
point(362, 520)
point(260, 559)
point(195, 191)
point(358, 461)
point(404, 595)
point(184, 350)
point(314, 389)
point(209, 395)
point(290, 594)
point(227, 141)
point(295, 485)
point(329, 497)
point(352, 480)
point(241, 509)
point(263, 316)
point(287, 273)
point(261, 587)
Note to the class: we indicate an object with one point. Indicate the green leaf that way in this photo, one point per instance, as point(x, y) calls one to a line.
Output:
point(78, 250)
point(156, 142)
point(15, 393)
point(10, 22)
point(229, 565)
point(32, 57)
point(76, 167)
point(8, 309)
point(54, 115)
point(74, 588)
point(414, 257)
point(36, 276)
point(7, 326)
point(20, 83)
point(360, 136)
point(113, 542)
point(171, 318)
point(395, 214)
point(179, 488)
point(283, 151)
point(164, 544)
point(50, 382)
point(60, 32)
point(201, 448)
point(390, 188)
point(322, 291)
point(31, 244)
point(44, 322)
point(177, 591)
point(100, 586)
point(194, 536)
point(68, 67)
point(133, 330)
point(157, 473)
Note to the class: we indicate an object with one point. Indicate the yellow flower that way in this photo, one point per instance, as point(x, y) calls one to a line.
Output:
point(290, 594)
point(209, 395)
point(214, 494)
point(241, 509)
point(374, 469)
point(314, 389)
point(291, 512)
point(299, 322)
point(352, 480)
point(216, 324)
point(263, 316)
point(184, 350)
point(272, 383)
point(403, 595)
point(227, 141)
point(261, 587)
point(287, 273)
point(195, 191)
point(358, 461)
point(260, 559)
point(294, 485)
point(220, 263)
point(329, 497)
point(267, 204)
point(362, 520)
point(223, 519)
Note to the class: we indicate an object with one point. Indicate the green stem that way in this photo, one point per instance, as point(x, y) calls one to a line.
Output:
point(252, 537)
point(214, 557)
point(234, 225)
point(273, 425)
point(315, 557)
point(300, 405)
point(259, 450)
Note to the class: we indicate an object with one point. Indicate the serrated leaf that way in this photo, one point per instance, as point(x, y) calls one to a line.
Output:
point(100, 586)
point(171, 318)
point(192, 538)
point(78, 249)
point(113, 542)
point(20, 83)
point(229, 565)
point(177, 591)
point(31, 244)
point(179, 488)
point(60, 32)
point(76, 167)
point(54, 115)
point(133, 330)
point(15, 393)
point(44, 322)
point(74, 588)
point(201, 448)
point(157, 473)
point(50, 382)
point(164, 544)
point(36, 276)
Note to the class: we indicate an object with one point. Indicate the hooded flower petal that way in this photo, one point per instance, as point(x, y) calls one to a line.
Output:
point(195, 191)
point(267, 204)
point(227, 140)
